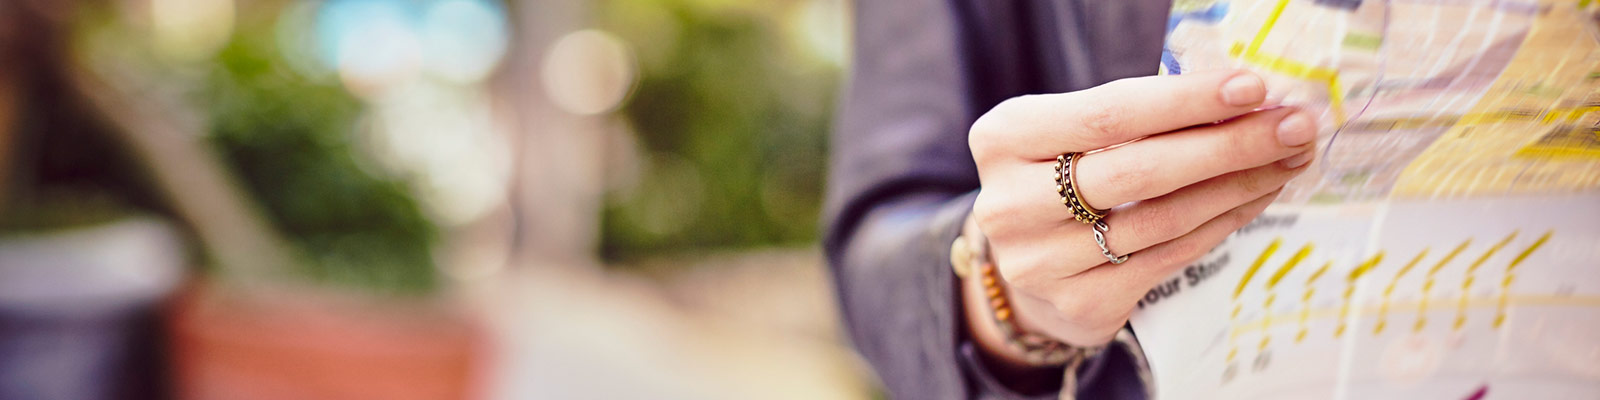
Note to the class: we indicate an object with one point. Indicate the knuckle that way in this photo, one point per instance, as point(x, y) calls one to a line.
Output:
point(989, 130)
point(1183, 252)
point(1102, 121)
point(1239, 217)
point(985, 212)
point(1252, 181)
point(1239, 135)
point(1256, 133)
point(1159, 223)
point(980, 137)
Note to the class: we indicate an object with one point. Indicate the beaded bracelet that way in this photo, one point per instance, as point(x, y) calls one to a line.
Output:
point(1036, 349)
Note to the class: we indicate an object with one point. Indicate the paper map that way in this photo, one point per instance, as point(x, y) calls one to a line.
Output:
point(1446, 242)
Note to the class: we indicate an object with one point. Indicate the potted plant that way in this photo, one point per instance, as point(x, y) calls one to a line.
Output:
point(313, 278)
point(87, 252)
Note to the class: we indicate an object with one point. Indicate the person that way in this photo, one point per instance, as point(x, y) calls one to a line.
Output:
point(956, 123)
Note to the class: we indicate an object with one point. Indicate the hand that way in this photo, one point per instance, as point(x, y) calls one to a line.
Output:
point(1176, 181)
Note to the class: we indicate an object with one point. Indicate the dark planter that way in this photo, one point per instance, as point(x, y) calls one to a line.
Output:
point(79, 309)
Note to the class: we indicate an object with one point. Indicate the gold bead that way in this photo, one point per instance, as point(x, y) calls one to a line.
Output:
point(961, 257)
point(987, 269)
point(988, 281)
point(994, 292)
point(1003, 314)
point(997, 302)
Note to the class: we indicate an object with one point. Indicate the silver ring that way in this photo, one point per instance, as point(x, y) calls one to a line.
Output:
point(1100, 229)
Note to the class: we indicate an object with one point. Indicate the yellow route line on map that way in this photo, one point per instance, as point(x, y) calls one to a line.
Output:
point(1427, 286)
point(1305, 312)
point(1350, 288)
point(1252, 54)
point(1520, 301)
point(1249, 273)
point(1266, 27)
point(1383, 311)
point(1505, 284)
point(1273, 282)
point(1469, 120)
point(1466, 283)
point(1256, 266)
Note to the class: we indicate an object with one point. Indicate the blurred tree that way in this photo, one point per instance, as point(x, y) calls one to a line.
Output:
point(289, 140)
point(732, 119)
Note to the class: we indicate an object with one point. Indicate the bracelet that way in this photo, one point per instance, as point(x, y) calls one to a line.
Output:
point(1037, 350)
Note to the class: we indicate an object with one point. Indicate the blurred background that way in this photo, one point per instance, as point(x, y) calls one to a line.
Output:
point(418, 199)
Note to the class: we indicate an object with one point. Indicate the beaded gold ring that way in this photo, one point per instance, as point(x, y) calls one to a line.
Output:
point(1066, 177)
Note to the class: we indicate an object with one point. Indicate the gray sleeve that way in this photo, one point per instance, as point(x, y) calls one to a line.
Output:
point(899, 185)
point(901, 182)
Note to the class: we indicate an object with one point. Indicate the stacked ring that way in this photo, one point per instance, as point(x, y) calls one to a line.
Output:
point(1066, 165)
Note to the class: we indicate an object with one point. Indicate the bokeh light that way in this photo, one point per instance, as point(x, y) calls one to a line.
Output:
point(443, 136)
point(822, 30)
point(371, 44)
point(375, 45)
point(463, 40)
point(588, 72)
point(190, 30)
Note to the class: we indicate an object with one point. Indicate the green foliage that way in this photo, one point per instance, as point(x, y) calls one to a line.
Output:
point(289, 142)
point(732, 120)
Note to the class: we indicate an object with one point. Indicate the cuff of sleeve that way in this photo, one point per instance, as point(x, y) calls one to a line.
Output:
point(1089, 376)
point(988, 386)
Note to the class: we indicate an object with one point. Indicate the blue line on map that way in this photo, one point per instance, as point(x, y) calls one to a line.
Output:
point(1209, 15)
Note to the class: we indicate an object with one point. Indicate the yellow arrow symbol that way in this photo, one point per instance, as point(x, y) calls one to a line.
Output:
point(1422, 306)
point(1248, 273)
point(1383, 311)
point(1350, 289)
point(1505, 284)
point(1466, 282)
point(1266, 316)
point(1305, 301)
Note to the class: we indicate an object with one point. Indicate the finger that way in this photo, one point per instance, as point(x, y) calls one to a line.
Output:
point(1091, 306)
point(1139, 225)
point(1160, 164)
point(1043, 126)
point(1124, 284)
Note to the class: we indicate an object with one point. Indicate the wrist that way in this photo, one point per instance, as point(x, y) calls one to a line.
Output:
point(996, 319)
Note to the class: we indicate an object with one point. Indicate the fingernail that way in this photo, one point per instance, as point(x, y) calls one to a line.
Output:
point(1297, 160)
point(1243, 90)
point(1295, 130)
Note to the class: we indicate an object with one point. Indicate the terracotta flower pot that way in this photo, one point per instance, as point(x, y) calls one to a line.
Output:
point(312, 345)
